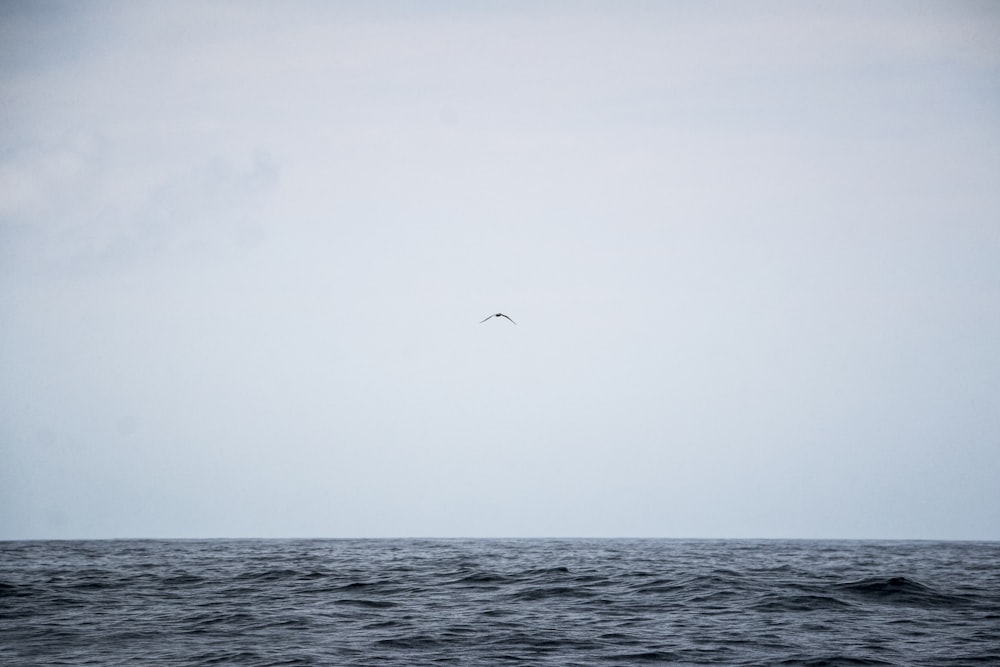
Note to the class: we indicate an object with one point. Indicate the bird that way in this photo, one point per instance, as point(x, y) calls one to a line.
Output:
point(498, 315)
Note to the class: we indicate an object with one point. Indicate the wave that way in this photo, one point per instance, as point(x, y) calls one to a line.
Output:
point(517, 603)
point(800, 603)
point(900, 590)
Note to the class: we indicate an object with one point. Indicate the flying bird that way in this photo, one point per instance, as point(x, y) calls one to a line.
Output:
point(498, 315)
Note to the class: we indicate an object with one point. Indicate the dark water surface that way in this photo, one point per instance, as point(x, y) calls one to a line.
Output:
point(499, 602)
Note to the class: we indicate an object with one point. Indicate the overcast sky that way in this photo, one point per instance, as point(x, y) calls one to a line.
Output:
point(752, 250)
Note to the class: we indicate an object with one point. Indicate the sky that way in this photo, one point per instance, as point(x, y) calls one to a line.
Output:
point(752, 251)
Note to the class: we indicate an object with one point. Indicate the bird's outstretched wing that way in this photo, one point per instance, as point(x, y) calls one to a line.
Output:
point(502, 315)
point(488, 318)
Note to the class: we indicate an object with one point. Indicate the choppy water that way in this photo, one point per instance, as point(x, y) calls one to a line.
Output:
point(499, 602)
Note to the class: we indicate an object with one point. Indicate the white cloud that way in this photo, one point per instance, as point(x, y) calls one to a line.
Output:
point(750, 250)
point(84, 201)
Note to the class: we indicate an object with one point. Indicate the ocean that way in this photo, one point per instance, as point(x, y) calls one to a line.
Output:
point(499, 602)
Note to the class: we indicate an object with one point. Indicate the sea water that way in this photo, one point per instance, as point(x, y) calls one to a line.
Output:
point(499, 602)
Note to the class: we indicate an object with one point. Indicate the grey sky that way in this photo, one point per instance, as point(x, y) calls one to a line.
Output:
point(753, 250)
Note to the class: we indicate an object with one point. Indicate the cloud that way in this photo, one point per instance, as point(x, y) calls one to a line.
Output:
point(751, 251)
point(83, 201)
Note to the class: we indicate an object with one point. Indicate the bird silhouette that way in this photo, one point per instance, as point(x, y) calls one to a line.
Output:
point(498, 315)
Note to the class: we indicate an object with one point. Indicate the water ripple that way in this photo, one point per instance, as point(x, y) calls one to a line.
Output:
point(499, 602)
